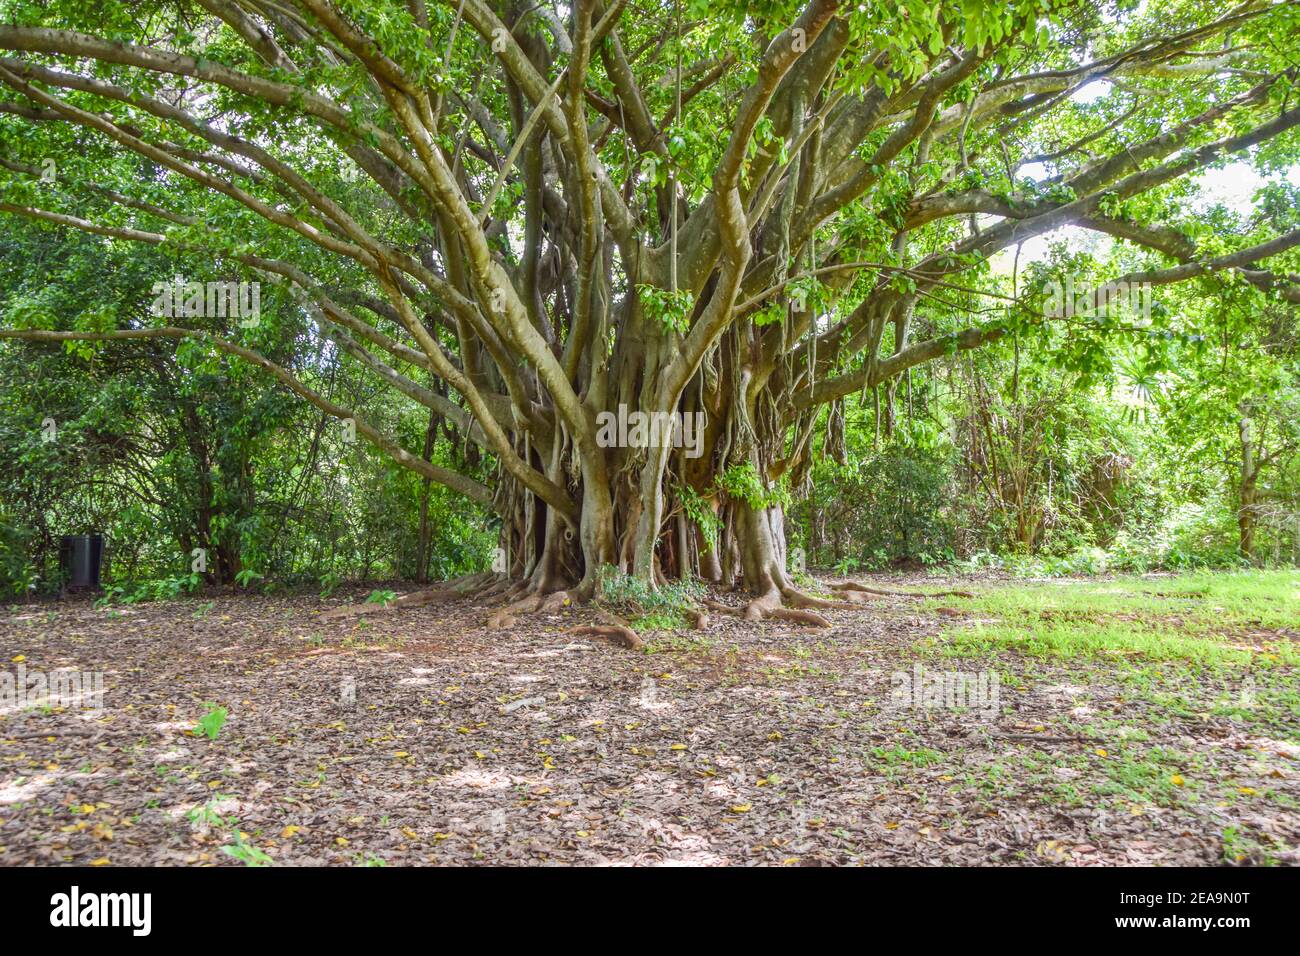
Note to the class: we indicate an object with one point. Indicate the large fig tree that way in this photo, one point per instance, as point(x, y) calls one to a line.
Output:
point(639, 251)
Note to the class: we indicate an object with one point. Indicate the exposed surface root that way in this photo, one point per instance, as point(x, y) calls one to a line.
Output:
point(768, 607)
point(797, 598)
point(853, 587)
point(508, 616)
point(614, 633)
point(721, 608)
point(502, 618)
point(781, 602)
point(497, 588)
point(760, 607)
point(436, 595)
point(797, 616)
point(470, 585)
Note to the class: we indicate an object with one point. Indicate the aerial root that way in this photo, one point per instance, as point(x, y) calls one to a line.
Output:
point(853, 587)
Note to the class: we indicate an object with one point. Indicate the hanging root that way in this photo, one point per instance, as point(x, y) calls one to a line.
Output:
point(853, 587)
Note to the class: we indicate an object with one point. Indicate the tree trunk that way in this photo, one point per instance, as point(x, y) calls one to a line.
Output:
point(1248, 492)
point(423, 538)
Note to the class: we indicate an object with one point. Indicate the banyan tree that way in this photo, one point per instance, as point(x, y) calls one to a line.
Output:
point(711, 223)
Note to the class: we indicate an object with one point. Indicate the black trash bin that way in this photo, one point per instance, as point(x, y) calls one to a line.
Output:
point(80, 557)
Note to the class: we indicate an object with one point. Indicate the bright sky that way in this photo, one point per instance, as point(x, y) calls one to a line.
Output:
point(1232, 186)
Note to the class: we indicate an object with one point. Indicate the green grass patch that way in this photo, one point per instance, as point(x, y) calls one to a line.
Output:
point(1205, 618)
point(659, 621)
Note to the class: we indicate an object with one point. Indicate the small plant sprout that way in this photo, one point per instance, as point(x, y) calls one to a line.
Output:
point(211, 722)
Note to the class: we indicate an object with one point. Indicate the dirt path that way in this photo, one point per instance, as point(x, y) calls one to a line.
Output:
point(421, 738)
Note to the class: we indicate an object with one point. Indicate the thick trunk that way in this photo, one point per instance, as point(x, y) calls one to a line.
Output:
point(760, 534)
point(748, 547)
point(649, 525)
point(639, 496)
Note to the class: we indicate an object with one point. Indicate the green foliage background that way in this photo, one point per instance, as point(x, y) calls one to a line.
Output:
point(164, 450)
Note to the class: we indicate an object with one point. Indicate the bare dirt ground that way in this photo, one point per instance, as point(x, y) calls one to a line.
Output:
point(420, 737)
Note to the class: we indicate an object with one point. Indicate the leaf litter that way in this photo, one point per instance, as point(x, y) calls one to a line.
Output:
point(422, 738)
